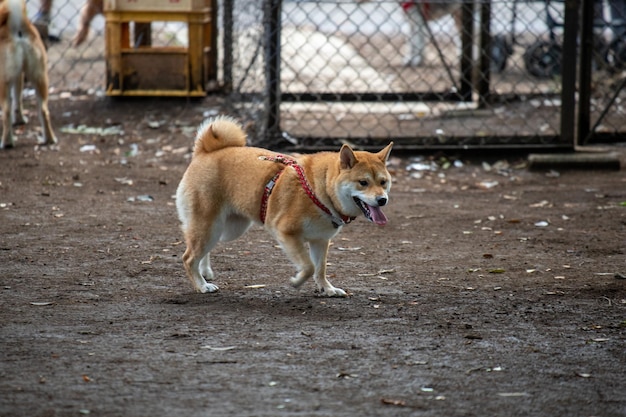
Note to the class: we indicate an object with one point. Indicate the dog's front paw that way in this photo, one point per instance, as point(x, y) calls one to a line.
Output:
point(334, 292)
point(208, 287)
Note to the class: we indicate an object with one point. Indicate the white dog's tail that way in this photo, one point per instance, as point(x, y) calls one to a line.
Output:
point(17, 11)
point(220, 132)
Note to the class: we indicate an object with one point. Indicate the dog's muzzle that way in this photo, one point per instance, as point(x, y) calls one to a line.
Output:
point(373, 213)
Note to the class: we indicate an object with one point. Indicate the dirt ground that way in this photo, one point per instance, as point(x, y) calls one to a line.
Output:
point(493, 290)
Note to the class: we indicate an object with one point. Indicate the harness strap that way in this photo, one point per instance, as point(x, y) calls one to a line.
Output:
point(266, 194)
point(285, 160)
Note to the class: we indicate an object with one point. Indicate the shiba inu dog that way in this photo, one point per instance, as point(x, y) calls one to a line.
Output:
point(303, 201)
point(22, 53)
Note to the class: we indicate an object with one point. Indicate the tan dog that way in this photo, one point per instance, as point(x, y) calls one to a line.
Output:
point(229, 186)
point(21, 53)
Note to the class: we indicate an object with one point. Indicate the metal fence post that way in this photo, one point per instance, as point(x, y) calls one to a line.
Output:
point(586, 58)
point(272, 25)
point(227, 60)
point(482, 84)
point(568, 72)
point(467, 39)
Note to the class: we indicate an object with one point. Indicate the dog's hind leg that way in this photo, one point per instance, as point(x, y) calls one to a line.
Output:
point(8, 139)
point(201, 238)
point(205, 267)
point(235, 227)
point(319, 252)
point(49, 138)
point(18, 87)
point(41, 87)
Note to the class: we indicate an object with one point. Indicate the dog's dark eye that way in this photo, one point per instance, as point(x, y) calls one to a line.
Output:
point(383, 183)
point(363, 183)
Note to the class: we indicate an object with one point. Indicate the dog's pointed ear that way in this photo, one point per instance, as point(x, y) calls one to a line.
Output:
point(384, 154)
point(347, 157)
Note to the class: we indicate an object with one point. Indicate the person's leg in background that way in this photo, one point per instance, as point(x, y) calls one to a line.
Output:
point(42, 19)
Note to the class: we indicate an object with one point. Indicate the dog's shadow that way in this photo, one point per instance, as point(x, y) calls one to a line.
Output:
point(303, 304)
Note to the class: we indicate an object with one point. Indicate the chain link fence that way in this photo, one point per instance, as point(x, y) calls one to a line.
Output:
point(312, 74)
point(77, 69)
point(349, 71)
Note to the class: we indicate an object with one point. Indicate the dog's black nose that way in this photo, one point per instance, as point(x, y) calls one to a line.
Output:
point(382, 201)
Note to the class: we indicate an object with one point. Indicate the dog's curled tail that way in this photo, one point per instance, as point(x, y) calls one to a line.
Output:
point(217, 133)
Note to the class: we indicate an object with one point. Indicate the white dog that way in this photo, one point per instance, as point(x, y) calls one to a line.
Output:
point(418, 14)
point(22, 53)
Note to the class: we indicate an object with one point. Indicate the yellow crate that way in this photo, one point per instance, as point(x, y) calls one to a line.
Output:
point(137, 68)
point(156, 5)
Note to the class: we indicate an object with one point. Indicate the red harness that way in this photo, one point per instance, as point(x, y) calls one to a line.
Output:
point(285, 160)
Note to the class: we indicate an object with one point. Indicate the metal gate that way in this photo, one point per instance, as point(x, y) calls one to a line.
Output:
point(492, 74)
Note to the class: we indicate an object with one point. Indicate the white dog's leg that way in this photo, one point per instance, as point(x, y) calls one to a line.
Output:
point(8, 140)
point(417, 36)
point(18, 117)
point(40, 82)
point(319, 252)
point(49, 137)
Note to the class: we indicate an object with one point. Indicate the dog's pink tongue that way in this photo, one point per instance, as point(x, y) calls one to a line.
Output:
point(378, 216)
